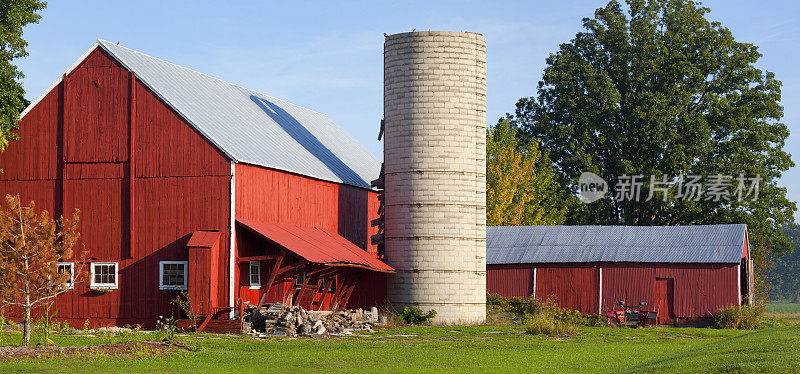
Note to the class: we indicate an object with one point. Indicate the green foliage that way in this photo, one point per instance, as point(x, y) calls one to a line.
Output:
point(14, 15)
point(745, 317)
point(655, 88)
point(184, 301)
point(168, 327)
point(528, 306)
point(415, 316)
point(46, 322)
point(785, 273)
point(520, 187)
point(547, 324)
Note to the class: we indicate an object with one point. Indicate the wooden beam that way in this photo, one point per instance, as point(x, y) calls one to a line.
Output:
point(344, 299)
point(257, 258)
point(292, 266)
point(62, 157)
point(132, 168)
point(205, 322)
point(271, 279)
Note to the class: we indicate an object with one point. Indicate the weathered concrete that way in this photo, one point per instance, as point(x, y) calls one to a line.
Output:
point(435, 156)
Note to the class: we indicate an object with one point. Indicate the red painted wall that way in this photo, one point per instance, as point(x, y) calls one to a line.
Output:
point(699, 289)
point(181, 184)
point(272, 196)
point(571, 287)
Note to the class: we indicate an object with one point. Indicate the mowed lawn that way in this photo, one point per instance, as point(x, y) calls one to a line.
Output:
point(440, 349)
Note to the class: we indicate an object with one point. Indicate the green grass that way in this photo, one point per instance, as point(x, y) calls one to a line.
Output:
point(461, 348)
point(784, 311)
point(783, 307)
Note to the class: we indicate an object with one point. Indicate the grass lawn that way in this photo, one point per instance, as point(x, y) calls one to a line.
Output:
point(478, 348)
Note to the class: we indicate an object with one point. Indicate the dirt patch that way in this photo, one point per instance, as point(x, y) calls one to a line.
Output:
point(119, 349)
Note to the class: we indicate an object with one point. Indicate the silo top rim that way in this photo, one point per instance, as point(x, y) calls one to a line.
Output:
point(435, 33)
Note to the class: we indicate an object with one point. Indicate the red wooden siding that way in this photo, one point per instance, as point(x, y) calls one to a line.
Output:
point(182, 184)
point(514, 280)
point(203, 281)
point(573, 287)
point(699, 289)
point(271, 196)
point(98, 111)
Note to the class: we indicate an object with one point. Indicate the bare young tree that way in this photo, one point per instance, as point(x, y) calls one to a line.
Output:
point(31, 245)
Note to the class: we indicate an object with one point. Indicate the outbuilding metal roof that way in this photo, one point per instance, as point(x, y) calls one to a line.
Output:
point(571, 244)
point(249, 126)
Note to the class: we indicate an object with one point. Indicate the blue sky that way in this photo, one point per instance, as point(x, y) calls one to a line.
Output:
point(328, 56)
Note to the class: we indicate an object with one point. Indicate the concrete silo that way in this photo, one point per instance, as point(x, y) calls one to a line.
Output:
point(435, 174)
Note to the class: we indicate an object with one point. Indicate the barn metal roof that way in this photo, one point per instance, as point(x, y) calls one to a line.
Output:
point(316, 245)
point(570, 244)
point(249, 126)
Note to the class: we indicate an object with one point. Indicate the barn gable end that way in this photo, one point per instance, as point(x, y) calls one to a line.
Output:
point(75, 152)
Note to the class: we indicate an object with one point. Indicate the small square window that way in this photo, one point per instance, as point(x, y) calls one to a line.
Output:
point(255, 274)
point(173, 275)
point(300, 279)
point(104, 276)
point(67, 268)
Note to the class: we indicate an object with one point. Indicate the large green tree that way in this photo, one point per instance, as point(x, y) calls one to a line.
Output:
point(520, 186)
point(785, 275)
point(655, 88)
point(14, 15)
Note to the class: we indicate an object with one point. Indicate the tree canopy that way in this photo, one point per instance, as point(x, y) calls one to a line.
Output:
point(653, 88)
point(520, 187)
point(14, 15)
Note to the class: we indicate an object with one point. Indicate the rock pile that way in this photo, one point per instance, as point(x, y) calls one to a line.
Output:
point(281, 320)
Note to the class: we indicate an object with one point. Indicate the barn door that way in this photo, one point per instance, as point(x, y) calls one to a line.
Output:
point(665, 298)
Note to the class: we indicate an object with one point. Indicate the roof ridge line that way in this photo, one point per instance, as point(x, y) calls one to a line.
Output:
point(102, 41)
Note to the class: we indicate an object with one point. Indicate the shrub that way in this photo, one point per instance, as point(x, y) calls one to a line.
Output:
point(526, 306)
point(745, 317)
point(415, 316)
point(546, 324)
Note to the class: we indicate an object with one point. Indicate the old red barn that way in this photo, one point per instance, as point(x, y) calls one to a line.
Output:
point(681, 272)
point(186, 182)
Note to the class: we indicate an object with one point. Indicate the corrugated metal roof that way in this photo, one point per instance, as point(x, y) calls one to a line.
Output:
point(317, 245)
point(249, 126)
point(669, 244)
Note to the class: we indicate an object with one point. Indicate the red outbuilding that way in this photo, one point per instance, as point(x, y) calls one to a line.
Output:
point(682, 272)
point(187, 182)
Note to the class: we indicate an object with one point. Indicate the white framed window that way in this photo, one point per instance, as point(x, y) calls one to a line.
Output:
point(173, 275)
point(255, 274)
point(68, 268)
point(104, 276)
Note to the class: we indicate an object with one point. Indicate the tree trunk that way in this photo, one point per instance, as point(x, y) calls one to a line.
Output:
point(26, 327)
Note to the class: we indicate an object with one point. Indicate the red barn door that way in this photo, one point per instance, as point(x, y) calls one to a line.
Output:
point(665, 300)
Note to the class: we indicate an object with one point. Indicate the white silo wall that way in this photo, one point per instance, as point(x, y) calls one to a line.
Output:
point(435, 157)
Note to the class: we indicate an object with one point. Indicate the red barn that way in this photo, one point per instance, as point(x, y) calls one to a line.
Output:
point(186, 182)
point(682, 272)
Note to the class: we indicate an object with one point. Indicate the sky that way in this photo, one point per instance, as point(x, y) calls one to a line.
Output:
point(327, 56)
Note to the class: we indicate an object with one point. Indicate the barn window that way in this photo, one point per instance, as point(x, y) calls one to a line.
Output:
point(255, 274)
point(67, 268)
point(173, 275)
point(104, 276)
point(301, 277)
